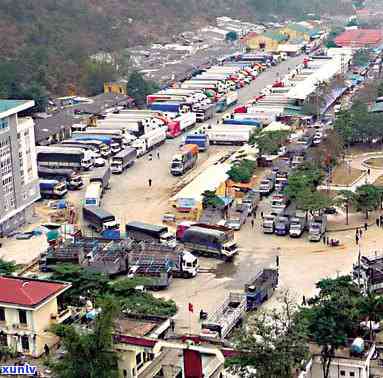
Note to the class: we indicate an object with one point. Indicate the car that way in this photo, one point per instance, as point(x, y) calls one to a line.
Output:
point(233, 224)
point(330, 210)
point(99, 162)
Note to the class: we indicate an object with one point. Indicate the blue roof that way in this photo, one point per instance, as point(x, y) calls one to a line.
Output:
point(6, 105)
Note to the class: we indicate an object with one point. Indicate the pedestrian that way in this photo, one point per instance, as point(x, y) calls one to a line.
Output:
point(158, 155)
point(360, 233)
point(381, 220)
point(377, 222)
point(324, 239)
point(255, 213)
point(304, 301)
point(369, 171)
point(252, 223)
point(173, 324)
point(217, 121)
point(46, 350)
point(356, 239)
point(150, 158)
point(365, 226)
point(150, 182)
point(262, 214)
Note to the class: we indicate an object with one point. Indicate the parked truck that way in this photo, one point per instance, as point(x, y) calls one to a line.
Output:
point(297, 226)
point(149, 140)
point(225, 136)
point(72, 178)
point(57, 157)
point(267, 185)
point(282, 225)
point(99, 219)
point(279, 203)
point(201, 140)
point(123, 160)
point(140, 231)
point(103, 177)
point(52, 188)
point(212, 241)
point(184, 160)
point(93, 194)
point(268, 224)
point(221, 322)
point(205, 113)
point(318, 225)
point(261, 288)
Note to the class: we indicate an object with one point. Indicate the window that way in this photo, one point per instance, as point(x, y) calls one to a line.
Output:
point(3, 124)
point(125, 372)
point(23, 317)
point(2, 315)
point(342, 373)
point(25, 343)
point(138, 360)
point(3, 339)
point(352, 374)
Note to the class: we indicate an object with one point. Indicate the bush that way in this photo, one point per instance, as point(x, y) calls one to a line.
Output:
point(242, 172)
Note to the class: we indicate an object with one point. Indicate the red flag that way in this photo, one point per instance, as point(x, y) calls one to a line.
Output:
point(190, 307)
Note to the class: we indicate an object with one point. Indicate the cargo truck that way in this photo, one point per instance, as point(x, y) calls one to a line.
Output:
point(317, 228)
point(140, 231)
point(281, 225)
point(261, 288)
point(268, 224)
point(297, 226)
point(212, 241)
point(204, 113)
point(184, 160)
point(225, 136)
point(99, 219)
point(241, 122)
point(115, 142)
point(93, 194)
point(95, 145)
point(103, 177)
point(61, 157)
point(106, 142)
point(149, 140)
point(52, 188)
point(72, 178)
point(201, 140)
point(267, 185)
point(279, 203)
point(123, 160)
point(186, 120)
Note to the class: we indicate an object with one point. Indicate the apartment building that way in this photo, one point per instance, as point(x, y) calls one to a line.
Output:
point(19, 186)
point(28, 308)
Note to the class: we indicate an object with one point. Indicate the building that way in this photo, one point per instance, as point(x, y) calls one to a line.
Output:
point(28, 307)
point(19, 187)
point(117, 87)
point(360, 38)
point(268, 41)
point(298, 31)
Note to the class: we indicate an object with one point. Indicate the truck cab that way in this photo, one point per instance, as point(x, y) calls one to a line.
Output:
point(278, 203)
point(169, 239)
point(297, 227)
point(266, 186)
point(317, 228)
point(189, 264)
point(282, 225)
point(268, 224)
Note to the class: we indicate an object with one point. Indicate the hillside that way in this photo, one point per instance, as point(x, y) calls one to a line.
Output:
point(45, 44)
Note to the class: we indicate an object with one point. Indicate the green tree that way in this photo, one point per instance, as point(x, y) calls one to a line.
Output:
point(367, 198)
point(270, 142)
point(371, 308)
point(312, 201)
point(139, 88)
point(8, 267)
point(210, 199)
point(96, 74)
point(274, 344)
point(242, 172)
point(89, 354)
point(231, 36)
point(361, 58)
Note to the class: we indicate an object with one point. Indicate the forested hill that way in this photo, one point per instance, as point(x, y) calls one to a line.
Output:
point(45, 44)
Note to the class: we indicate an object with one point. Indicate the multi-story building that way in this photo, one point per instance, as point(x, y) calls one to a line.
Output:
point(28, 308)
point(19, 186)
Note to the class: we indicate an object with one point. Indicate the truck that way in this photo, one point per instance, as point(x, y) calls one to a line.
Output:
point(184, 160)
point(103, 177)
point(58, 157)
point(94, 145)
point(225, 136)
point(123, 160)
point(317, 228)
point(242, 122)
point(201, 140)
point(260, 288)
point(172, 107)
point(98, 218)
point(52, 188)
point(183, 264)
point(268, 224)
point(105, 145)
point(279, 203)
point(149, 140)
point(186, 120)
point(93, 194)
point(297, 226)
point(72, 178)
point(140, 231)
point(281, 225)
point(114, 142)
point(135, 128)
point(212, 241)
point(281, 181)
point(266, 185)
point(222, 321)
point(204, 113)
point(367, 273)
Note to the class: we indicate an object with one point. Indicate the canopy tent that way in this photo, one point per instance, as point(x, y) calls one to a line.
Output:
point(276, 126)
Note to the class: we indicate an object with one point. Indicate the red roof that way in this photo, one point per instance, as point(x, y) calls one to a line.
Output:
point(249, 36)
point(133, 340)
point(28, 292)
point(360, 37)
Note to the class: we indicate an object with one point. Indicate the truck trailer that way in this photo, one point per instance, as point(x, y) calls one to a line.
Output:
point(72, 178)
point(184, 160)
point(99, 219)
point(140, 231)
point(52, 188)
point(123, 160)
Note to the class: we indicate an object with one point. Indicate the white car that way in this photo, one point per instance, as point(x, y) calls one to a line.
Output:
point(99, 162)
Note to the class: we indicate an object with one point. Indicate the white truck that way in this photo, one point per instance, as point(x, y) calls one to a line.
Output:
point(231, 136)
point(318, 226)
point(186, 120)
point(93, 194)
point(123, 160)
point(268, 224)
point(297, 226)
point(150, 140)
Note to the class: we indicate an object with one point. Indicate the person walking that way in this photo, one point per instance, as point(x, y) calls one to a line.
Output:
point(150, 158)
point(158, 155)
point(356, 239)
point(150, 183)
point(255, 213)
point(377, 222)
point(304, 302)
point(262, 214)
point(369, 171)
point(381, 220)
point(252, 223)
point(365, 226)
point(324, 239)
point(360, 233)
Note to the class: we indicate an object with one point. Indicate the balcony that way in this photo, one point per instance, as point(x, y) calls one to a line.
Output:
point(61, 316)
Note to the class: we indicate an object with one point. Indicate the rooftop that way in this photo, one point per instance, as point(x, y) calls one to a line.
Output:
point(360, 37)
point(275, 35)
point(29, 292)
point(8, 107)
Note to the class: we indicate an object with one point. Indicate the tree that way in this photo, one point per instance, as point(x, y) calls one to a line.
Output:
point(345, 199)
point(270, 142)
point(371, 308)
point(331, 317)
point(312, 201)
point(139, 88)
point(210, 199)
point(274, 344)
point(96, 74)
point(89, 354)
point(361, 58)
point(231, 36)
point(242, 172)
point(367, 198)
point(8, 267)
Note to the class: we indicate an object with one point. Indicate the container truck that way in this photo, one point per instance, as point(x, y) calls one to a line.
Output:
point(182, 263)
point(61, 157)
point(186, 120)
point(72, 178)
point(232, 136)
point(174, 129)
point(231, 98)
point(103, 177)
point(184, 159)
point(212, 241)
point(201, 140)
point(95, 145)
point(317, 228)
point(267, 185)
point(279, 203)
point(149, 140)
point(135, 128)
point(241, 122)
point(115, 142)
point(261, 288)
point(99, 219)
point(205, 113)
point(140, 231)
point(171, 107)
point(123, 160)
point(93, 194)
point(52, 188)
point(107, 145)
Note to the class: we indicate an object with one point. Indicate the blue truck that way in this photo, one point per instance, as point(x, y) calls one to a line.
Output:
point(171, 107)
point(261, 288)
point(247, 122)
point(52, 188)
point(201, 140)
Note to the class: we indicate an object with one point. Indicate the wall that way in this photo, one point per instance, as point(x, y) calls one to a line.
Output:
point(270, 44)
